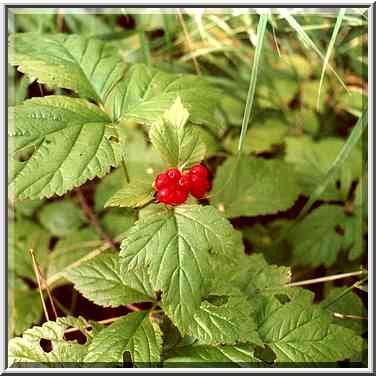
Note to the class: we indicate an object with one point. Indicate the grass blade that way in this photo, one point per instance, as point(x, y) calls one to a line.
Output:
point(261, 27)
point(351, 142)
point(332, 41)
point(296, 26)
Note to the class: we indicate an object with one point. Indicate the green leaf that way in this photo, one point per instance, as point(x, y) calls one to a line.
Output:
point(224, 318)
point(117, 221)
point(246, 186)
point(177, 247)
point(72, 248)
point(90, 146)
point(135, 333)
point(254, 276)
point(320, 236)
point(145, 93)
point(220, 356)
point(23, 235)
point(24, 309)
point(312, 161)
point(135, 194)
point(28, 207)
point(346, 303)
point(101, 281)
point(176, 141)
point(85, 66)
point(303, 333)
point(27, 349)
point(261, 137)
point(61, 218)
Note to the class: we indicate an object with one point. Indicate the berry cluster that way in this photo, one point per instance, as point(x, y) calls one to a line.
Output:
point(173, 188)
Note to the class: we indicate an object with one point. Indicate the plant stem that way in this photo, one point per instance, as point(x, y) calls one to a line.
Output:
point(93, 219)
point(325, 279)
point(189, 41)
point(37, 275)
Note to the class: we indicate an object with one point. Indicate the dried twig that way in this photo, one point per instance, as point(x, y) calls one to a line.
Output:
point(352, 317)
point(105, 321)
point(189, 41)
point(325, 279)
point(93, 219)
point(37, 275)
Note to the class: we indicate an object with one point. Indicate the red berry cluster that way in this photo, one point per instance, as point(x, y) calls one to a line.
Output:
point(173, 188)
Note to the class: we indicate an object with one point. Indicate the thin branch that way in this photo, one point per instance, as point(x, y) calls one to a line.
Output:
point(105, 321)
point(93, 219)
point(341, 316)
point(189, 41)
point(37, 275)
point(48, 291)
point(60, 20)
point(326, 278)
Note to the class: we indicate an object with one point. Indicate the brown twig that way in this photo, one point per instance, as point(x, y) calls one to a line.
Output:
point(105, 321)
point(325, 279)
point(42, 281)
point(37, 275)
point(60, 20)
point(341, 316)
point(188, 38)
point(93, 219)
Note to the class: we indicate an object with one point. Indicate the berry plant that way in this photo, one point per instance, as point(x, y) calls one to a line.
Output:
point(187, 189)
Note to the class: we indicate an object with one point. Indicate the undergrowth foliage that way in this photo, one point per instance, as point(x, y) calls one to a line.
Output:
point(86, 159)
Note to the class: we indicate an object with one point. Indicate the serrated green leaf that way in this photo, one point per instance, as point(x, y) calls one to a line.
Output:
point(85, 66)
point(303, 333)
point(175, 140)
point(27, 349)
point(224, 319)
point(135, 333)
point(320, 236)
point(61, 218)
point(24, 309)
point(204, 356)
point(176, 247)
point(145, 93)
point(254, 276)
point(72, 248)
point(312, 161)
point(90, 147)
point(345, 304)
point(133, 195)
point(23, 235)
point(101, 281)
point(246, 186)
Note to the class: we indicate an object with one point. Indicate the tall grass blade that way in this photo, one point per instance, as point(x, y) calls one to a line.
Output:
point(261, 27)
point(350, 143)
point(296, 26)
point(332, 41)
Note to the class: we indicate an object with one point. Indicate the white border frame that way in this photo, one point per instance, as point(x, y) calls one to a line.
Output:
point(200, 4)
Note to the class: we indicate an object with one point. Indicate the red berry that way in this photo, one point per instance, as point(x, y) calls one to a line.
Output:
point(185, 183)
point(162, 181)
point(179, 196)
point(174, 174)
point(199, 170)
point(199, 186)
point(165, 195)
